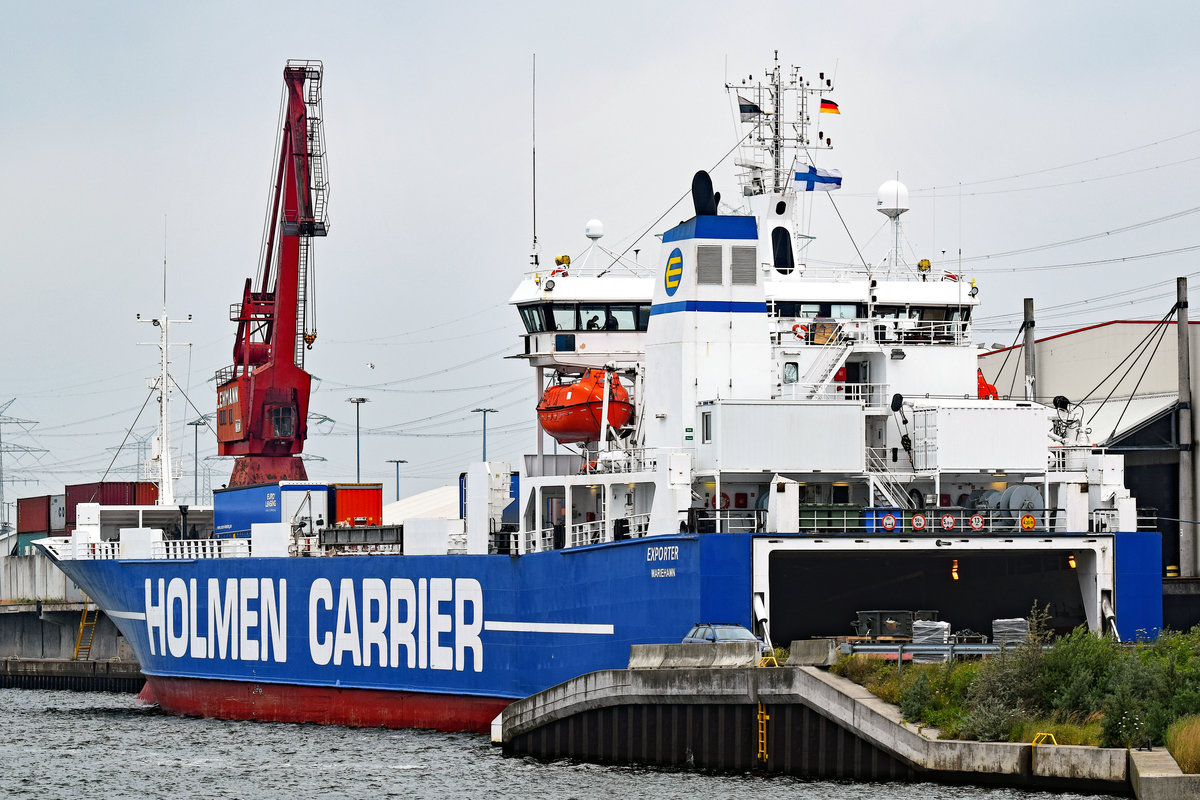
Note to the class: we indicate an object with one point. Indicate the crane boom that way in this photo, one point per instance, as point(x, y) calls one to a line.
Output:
point(262, 398)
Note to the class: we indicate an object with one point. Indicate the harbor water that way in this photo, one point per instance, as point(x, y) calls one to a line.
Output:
point(59, 744)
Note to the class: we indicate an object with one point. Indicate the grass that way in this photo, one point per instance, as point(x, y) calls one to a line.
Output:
point(1088, 731)
point(1183, 742)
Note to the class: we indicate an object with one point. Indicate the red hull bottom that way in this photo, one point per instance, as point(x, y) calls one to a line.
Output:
point(324, 705)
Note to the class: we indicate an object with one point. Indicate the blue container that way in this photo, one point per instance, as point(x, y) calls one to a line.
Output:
point(872, 519)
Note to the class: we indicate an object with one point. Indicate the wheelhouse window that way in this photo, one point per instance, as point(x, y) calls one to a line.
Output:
point(560, 316)
point(585, 317)
point(613, 317)
point(533, 319)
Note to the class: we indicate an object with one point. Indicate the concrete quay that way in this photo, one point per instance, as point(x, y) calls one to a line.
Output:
point(729, 715)
point(62, 673)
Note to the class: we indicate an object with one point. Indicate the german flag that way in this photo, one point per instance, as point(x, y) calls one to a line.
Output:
point(829, 107)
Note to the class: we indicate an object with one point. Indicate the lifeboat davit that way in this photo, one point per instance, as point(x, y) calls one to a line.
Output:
point(570, 412)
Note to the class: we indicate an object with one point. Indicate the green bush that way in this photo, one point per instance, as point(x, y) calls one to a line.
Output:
point(1084, 689)
point(1075, 673)
point(916, 697)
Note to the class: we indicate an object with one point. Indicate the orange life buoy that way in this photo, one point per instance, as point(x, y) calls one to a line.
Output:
point(712, 501)
point(800, 331)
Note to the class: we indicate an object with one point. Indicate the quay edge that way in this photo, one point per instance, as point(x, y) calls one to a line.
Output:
point(817, 724)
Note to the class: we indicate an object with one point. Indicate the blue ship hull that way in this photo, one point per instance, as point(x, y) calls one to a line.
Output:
point(493, 628)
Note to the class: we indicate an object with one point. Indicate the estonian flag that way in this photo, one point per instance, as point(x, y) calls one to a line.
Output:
point(749, 110)
point(812, 179)
point(829, 107)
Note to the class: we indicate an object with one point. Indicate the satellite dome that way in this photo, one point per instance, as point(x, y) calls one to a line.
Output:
point(892, 199)
point(594, 229)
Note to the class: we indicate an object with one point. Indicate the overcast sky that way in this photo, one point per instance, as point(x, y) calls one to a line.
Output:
point(129, 129)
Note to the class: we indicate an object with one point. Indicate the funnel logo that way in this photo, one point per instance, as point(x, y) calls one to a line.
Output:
point(674, 272)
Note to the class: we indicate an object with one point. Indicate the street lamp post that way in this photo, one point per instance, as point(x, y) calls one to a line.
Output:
point(358, 401)
point(485, 412)
point(196, 423)
point(397, 462)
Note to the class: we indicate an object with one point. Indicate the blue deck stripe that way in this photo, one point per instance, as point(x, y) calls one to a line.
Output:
point(712, 306)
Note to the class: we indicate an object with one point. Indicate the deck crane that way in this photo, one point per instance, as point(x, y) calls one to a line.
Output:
point(262, 399)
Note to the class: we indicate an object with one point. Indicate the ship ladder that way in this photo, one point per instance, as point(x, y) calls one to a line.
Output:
point(762, 718)
point(831, 358)
point(87, 629)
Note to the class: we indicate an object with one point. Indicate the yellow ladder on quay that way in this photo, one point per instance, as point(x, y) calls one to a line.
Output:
point(87, 629)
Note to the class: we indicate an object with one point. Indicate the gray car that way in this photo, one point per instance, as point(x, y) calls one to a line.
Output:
point(722, 632)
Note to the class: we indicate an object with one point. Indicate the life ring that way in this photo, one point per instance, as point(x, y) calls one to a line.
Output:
point(800, 331)
point(557, 272)
point(712, 501)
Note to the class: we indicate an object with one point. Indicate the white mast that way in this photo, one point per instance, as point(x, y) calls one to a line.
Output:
point(166, 478)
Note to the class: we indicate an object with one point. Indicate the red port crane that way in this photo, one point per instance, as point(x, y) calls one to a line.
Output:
point(262, 399)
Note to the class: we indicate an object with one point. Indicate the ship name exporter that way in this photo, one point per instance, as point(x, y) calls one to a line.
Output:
point(659, 553)
point(427, 623)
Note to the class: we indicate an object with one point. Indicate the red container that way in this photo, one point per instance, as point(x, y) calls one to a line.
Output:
point(110, 493)
point(356, 503)
point(145, 493)
point(33, 514)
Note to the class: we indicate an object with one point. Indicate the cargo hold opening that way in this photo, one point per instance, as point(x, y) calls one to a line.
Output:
point(819, 594)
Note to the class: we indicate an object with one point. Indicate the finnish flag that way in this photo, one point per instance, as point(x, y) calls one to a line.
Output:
point(810, 179)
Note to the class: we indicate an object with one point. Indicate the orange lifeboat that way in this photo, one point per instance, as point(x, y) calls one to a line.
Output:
point(570, 412)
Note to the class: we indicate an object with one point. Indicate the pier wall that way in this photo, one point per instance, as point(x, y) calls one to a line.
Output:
point(91, 676)
point(29, 578)
point(815, 724)
point(49, 630)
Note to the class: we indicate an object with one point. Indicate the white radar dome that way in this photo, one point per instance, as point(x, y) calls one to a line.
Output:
point(594, 229)
point(892, 199)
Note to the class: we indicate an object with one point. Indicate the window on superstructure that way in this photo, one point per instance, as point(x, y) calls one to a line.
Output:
point(532, 317)
point(643, 317)
point(791, 372)
point(706, 427)
point(843, 310)
point(709, 269)
point(560, 317)
point(282, 420)
point(611, 317)
point(781, 248)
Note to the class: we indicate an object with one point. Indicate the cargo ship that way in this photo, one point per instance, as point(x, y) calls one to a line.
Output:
point(802, 443)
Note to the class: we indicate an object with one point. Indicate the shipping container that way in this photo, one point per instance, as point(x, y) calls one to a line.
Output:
point(58, 512)
point(356, 503)
point(33, 514)
point(145, 493)
point(110, 493)
point(237, 508)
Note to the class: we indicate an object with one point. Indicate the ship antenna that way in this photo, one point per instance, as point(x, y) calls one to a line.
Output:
point(777, 127)
point(533, 258)
point(166, 479)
